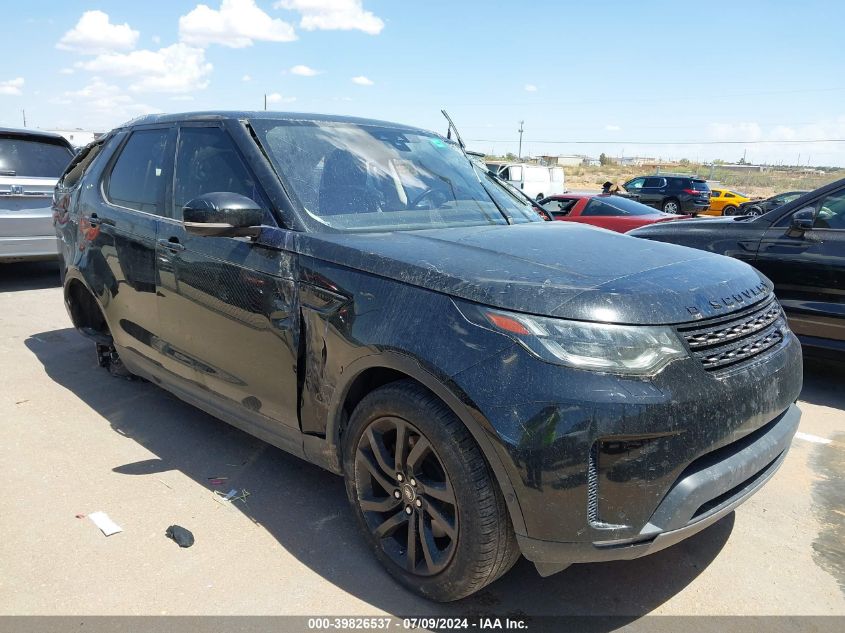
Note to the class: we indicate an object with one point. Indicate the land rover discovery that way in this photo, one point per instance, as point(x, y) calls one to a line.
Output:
point(363, 296)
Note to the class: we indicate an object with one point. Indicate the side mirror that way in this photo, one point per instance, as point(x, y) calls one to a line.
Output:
point(223, 214)
point(802, 220)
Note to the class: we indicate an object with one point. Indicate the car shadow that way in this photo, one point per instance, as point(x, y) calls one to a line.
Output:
point(29, 276)
point(305, 508)
point(823, 380)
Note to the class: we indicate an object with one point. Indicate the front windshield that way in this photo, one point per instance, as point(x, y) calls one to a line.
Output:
point(361, 177)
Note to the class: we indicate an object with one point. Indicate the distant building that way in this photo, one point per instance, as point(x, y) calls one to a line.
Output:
point(78, 137)
point(636, 161)
point(566, 160)
point(736, 167)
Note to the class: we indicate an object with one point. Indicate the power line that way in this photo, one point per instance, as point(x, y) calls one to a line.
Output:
point(617, 142)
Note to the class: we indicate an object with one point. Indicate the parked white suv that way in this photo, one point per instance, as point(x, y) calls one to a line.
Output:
point(30, 164)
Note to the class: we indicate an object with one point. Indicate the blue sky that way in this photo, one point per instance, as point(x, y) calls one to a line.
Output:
point(625, 77)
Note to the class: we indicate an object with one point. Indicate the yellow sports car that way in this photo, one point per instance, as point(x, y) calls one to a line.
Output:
point(724, 202)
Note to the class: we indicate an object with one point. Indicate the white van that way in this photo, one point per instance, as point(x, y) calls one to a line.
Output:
point(535, 181)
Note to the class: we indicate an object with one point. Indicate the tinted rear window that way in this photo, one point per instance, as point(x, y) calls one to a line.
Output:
point(31, 158)
point(700, 185)
point(616, 205)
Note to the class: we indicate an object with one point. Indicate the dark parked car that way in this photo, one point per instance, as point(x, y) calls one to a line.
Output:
point(759, 207)
point(30, 163)
point(671, 194)
point(606, 211)
point(359, 294)
point(800, 246)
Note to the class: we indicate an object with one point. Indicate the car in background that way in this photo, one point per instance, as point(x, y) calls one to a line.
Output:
point(725, 202)
point(759, 207)
point(671, 194)
point(30, 164)
point(617, 213)
point(536, 181)
point(800, 246)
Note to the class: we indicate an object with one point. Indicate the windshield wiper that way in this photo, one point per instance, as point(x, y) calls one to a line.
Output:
point(460, 141)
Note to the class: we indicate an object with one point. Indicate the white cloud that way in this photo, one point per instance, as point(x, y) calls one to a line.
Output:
point(66, 71)
point(333, 15)
point(530, 88)
point(362, 81)
point(104, 98)
point(237, 24)
point(612, 128)
point(94, 34)
point(177, 68)
point(12, 87)
point(304, 71)
point(246, 78)
point(182, 98)
point(277, 98)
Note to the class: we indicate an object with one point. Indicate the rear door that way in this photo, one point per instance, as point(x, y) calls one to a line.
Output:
point(30, 165)
point(227, 304)
point(653, 191)
point(808, 268)
point(118, 233)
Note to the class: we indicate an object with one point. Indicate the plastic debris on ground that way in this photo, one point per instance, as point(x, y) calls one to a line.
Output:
point(183, 537)
point(106, 525)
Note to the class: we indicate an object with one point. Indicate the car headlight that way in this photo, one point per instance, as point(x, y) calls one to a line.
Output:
point(620, 349)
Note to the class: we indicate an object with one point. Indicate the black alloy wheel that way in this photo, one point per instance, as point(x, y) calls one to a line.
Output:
point(406, 496)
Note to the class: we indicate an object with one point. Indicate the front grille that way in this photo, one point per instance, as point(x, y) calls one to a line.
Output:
point(735, 338)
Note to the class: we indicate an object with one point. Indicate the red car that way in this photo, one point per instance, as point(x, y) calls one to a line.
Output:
point(608, 211)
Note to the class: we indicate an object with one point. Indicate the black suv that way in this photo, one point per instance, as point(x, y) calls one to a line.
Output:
point(670, 194)
point(362, 295)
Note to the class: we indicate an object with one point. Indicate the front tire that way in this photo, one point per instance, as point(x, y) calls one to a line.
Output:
point(671, 206)
point(423, 495)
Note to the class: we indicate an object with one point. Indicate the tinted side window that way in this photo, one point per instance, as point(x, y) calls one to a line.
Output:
point(727, 195)
point(635, 184)
point(597, 207)
point(831, 214)
point(137, 177)
point(559, 208)
point(206, 162)
point(654, 182)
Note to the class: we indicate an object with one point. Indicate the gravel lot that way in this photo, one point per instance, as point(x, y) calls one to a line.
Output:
point(73, 441)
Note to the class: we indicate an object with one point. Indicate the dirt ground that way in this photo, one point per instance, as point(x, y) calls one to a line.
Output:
point(73, 441)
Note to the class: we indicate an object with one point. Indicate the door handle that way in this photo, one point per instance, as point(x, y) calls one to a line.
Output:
point(172, 244)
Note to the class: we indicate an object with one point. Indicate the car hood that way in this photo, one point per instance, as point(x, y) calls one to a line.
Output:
point(555, 269)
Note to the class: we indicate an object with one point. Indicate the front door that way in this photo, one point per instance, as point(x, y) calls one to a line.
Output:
point(808, 268)
point(227, 305)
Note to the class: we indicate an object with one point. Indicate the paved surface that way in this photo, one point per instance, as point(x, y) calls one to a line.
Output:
point(73, 440)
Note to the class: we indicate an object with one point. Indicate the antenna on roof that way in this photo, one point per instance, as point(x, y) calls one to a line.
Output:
point(23, 112)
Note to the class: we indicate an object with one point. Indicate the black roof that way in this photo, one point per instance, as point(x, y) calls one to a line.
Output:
point(47, 136)
point(213, 115)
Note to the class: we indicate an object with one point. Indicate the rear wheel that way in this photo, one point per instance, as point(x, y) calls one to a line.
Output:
point(754, 210)
point(423, 495)
point(671, 206)
point(729, 210)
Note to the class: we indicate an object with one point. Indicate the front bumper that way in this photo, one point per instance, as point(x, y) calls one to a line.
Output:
point(599, 464)
point(710, 488)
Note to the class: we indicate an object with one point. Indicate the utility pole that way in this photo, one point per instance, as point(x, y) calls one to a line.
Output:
point(520, 139)
point(23, 113)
